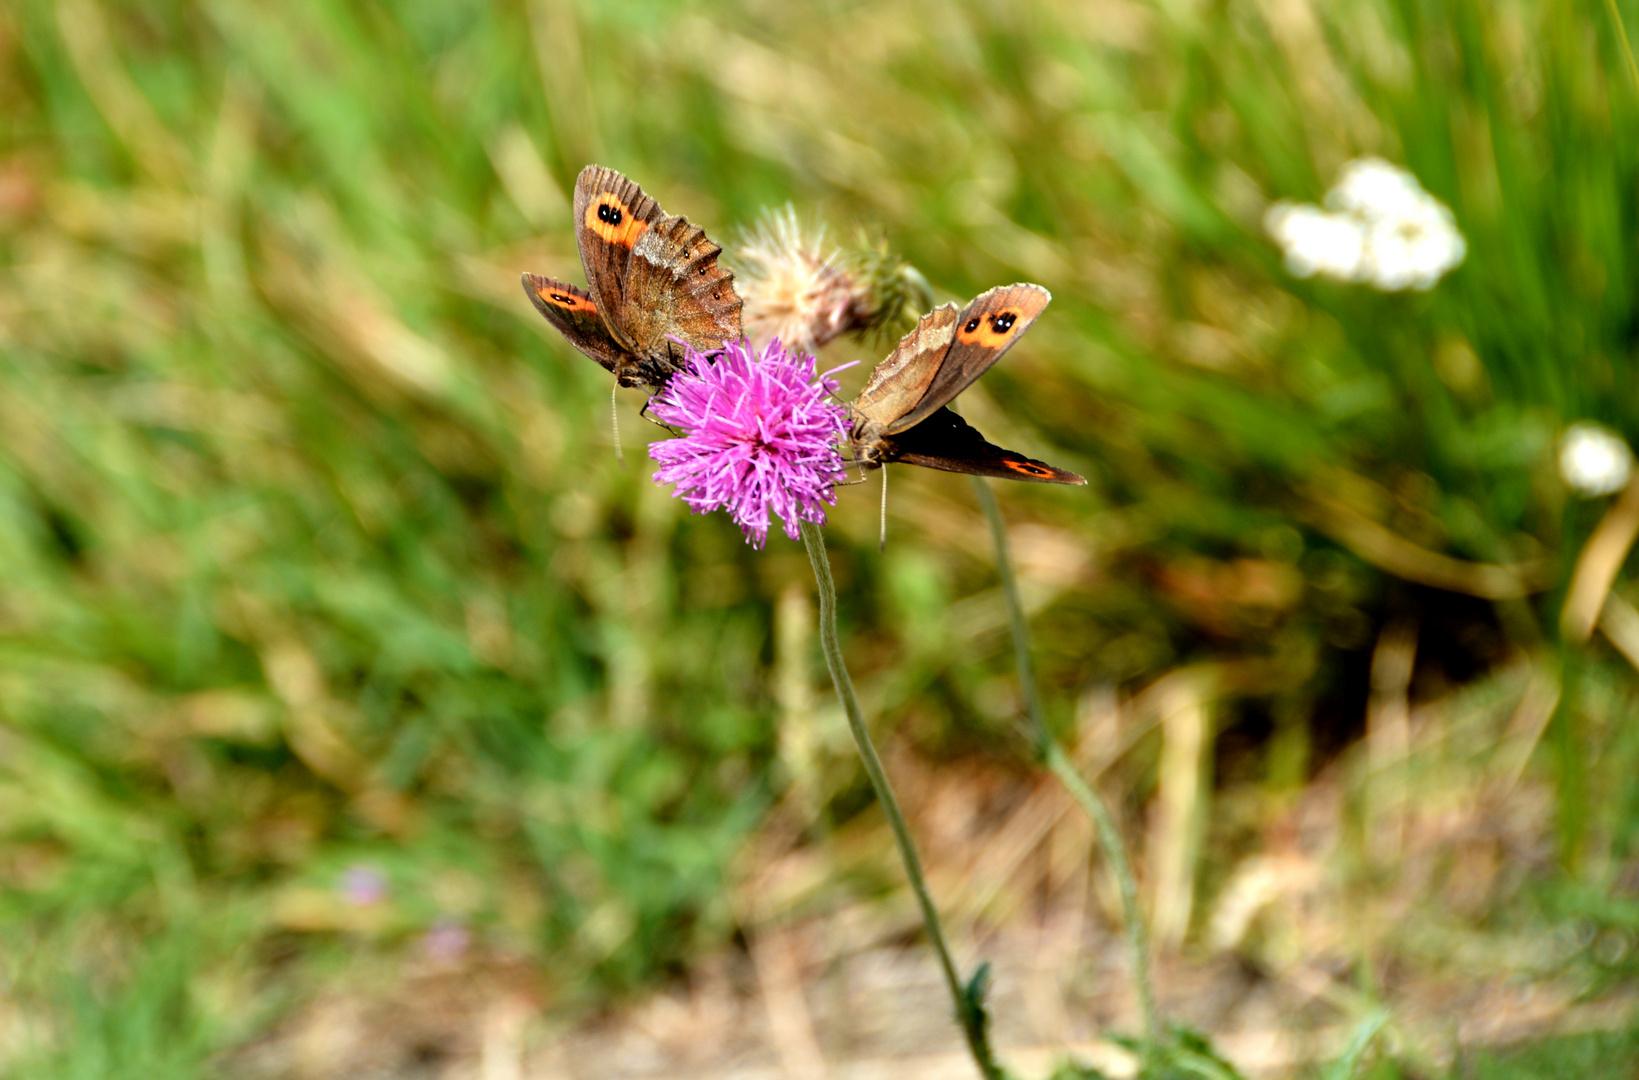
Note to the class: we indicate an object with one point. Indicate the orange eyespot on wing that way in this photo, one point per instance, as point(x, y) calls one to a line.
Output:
point(946, 441)
point(1030, 468)
point(612, 219)
point(989, 330)
point(567, 301)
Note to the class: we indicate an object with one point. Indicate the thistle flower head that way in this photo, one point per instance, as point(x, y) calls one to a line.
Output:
point(896, 293)
point(800, 289)
point(1379, 227)
point(760, 435)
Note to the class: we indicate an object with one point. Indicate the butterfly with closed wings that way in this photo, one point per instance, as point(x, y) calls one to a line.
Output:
point(652, 280)
point(902, 415)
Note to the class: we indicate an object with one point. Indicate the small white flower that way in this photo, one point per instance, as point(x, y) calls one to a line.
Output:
point(1373, 189)
point(1413, 250)
point(1316, 242)
point(1382, 229)
point(1593, 460)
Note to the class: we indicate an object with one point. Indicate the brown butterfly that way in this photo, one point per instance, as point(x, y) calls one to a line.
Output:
point(650, 278)
point(901, 415)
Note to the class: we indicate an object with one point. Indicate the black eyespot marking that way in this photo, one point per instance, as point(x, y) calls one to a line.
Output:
point(1002, 323)
point(972, 325)
point(610, 214)
point(559, 298)
point(702, 269)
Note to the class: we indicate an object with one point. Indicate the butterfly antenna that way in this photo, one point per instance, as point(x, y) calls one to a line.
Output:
point(882, 537)
point(614, 422)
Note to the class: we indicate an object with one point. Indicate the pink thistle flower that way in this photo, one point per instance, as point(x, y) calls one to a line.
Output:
point(760, 436)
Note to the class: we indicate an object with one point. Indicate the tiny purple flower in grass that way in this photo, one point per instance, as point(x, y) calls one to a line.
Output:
point(760, 436)
point(446, 942)
point(362, 885)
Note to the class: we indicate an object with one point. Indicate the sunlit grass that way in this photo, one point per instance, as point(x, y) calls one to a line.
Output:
point(317, 554)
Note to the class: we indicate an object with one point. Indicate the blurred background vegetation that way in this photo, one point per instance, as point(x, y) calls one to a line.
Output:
point(331, 630)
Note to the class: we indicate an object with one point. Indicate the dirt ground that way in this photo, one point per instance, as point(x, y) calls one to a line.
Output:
point(1288, 950)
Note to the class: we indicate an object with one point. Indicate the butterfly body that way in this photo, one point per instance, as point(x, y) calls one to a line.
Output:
point(651, 278)
point(902, 415)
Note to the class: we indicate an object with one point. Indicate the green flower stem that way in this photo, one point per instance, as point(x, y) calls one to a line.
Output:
point(967, 1011)
point(1059, 763)
point(1137, 937)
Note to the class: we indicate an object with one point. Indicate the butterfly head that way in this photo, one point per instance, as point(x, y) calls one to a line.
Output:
point(872, 449)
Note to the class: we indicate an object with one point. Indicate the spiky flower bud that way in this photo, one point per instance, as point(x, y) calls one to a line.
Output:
point(800, 289)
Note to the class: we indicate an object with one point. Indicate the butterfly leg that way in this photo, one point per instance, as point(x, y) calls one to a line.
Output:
point(862, 477)
point(644, 413)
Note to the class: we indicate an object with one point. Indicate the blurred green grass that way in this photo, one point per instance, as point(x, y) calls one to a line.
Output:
point(317, 556)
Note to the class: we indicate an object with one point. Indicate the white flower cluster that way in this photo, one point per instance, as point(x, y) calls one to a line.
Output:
point(1594, 460)
point(1379, 227)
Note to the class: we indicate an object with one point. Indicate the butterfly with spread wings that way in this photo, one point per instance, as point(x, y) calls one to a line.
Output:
point(652, 280)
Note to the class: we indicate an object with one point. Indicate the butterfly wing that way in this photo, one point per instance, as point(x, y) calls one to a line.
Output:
point(986, 328)
point(611, 216)
point(946, 441)
point(575, 314)
point(676, 288)
point(654, 277)
point(900, 381)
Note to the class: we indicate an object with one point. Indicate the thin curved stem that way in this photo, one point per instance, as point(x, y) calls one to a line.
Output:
point(968, 1012)
point(1059, 763)
point(1109, 839)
